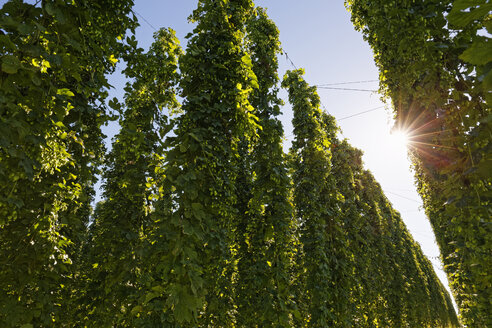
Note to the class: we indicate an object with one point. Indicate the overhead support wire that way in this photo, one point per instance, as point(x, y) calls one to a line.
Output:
point(360, 113)
point(407, 198)
point(146, 21)
point(346, 89)
point(290, 60)
point(320, 86)
point(295, 67)
point(342, 83)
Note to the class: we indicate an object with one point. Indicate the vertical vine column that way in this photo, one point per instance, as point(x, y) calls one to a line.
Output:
point(122, 219)
point(323, 267)
point(263, 287)
point(193, 238)
point(54, 58)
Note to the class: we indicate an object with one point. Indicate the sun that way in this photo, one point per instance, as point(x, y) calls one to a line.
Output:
point(400, 138)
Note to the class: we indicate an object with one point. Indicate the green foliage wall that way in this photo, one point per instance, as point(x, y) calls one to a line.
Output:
point(205, 221)
point(435, 66)
point(195, 234)
point(323, 263)
point(349, 232)
point(54, 58)
point(265, 230)
point(128, 195)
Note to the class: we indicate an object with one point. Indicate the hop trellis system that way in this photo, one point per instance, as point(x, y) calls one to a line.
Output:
point(205, 220)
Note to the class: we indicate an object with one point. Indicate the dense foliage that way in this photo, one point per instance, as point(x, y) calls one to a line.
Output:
point(323, 262)
point(204, 221)
point(264, 232)
point(435, 61)
point(54, 59)
point(127, 195)
point(377, 275)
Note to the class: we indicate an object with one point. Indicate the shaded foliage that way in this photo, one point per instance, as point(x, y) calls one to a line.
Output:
point(54, 58)
point(117, 247)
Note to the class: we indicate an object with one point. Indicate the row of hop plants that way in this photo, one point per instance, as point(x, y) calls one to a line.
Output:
point(435, 63)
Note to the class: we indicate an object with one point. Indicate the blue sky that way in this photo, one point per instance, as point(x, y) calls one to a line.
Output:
point(319, 37)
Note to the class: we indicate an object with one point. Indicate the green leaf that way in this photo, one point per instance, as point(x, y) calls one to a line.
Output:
point(36, 80)
point(136, 309)
point(114, 104)
point(64, 92)
point(297, 314)
point(195, 137)
point(463, 18)
point(480, 53)
point(487, 82)
point(150, 296)
point(50, 9)
point(25, 29)
point(10, 64)
point(198, 210)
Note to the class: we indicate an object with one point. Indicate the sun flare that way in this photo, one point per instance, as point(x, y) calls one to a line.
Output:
point(400, 138)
